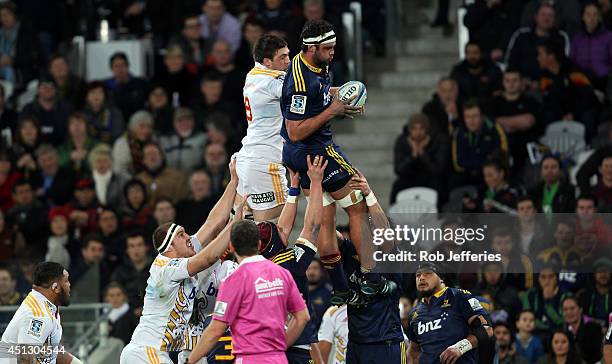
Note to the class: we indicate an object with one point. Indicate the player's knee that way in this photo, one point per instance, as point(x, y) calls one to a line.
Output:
point(351, 199)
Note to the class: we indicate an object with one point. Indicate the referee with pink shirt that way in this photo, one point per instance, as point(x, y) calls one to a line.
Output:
point(255, 300)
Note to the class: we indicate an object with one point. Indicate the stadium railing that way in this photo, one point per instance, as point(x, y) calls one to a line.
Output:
point(351, 22)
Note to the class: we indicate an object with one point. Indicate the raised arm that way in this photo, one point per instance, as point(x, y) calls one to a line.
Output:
point(296, 325)
point(289, 212)
point(314, 210)
point(218, 216)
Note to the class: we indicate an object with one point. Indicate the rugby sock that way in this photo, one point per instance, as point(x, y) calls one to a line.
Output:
point(333, 264)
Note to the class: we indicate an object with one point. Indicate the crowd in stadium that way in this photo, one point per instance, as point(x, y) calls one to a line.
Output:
point(88, 170)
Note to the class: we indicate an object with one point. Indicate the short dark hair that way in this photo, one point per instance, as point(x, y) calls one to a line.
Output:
point(471, 103)
point(95, 85)
point(315, 28)
point(524, 198)
point(502, 231)
point(496, 163)
point(160, 234)
point(47, 273)
point(553, 47)
point(117, 285)
point(572, 298)
point(253, 21)
point(9, 270)
point(586, 196)
point(267, 46)
point(118, 55)
point(91, 238)
point(518, 317)
point(212, 76)
point(472, 43)
point(21, 182)
point(244, 237)
point(513, 70)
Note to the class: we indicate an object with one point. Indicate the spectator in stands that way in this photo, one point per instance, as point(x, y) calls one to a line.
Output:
point(55, 183)
point(161, 180)
point(567, 14)
point(496, 195)
point(606, 10)
point(518, 268)
point(420, 159)
point(563, 349)
point(195, 47)
point(491, 24)
point(19, 50)
point(8, 282)
point(26, 142)
point(603, 190)
point(127, 150)
point(218, 24)
point(567, 94)
point(528, 345)
point(104, 119)
point(562, 254)
point(506, 353)
point(595, 298)
point(215, 164)
point(232, 76)
point(8, 120)
point(164, 212)
point(128, 91)
point(84, 207)
point(108, 184)
point(319, 290)
point(176, 77)
point(517, 114)
point(91, 257)
point(587, 333)
point(60, 242)
point(553, 194)
point(134, 272)
point(276, 17)
point(209, 101)
point(184, 147)
point(545, 301)
point(531, 230)
point(159, 106)
point(522, 52)
point(12, 242)
point(8, 178)
point(589, 222)
point(252, 30)
point(591, 167)
point(121, 319)
point(50, 111)
point(219, 131)
point(75, 151)
point(591, 49)
point(444, 109)
point(191, 211)
point(111, 235)
point(29, 216)
point(473, 144)
point(505, 297)
point(476, 75)
point(136, 211)
point(70, 87)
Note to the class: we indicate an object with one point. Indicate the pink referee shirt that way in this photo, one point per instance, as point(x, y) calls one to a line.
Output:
point(254, 301)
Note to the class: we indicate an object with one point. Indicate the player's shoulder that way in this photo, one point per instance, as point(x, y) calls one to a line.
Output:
point(32, 308)
point(334, 311)
point(265, 74)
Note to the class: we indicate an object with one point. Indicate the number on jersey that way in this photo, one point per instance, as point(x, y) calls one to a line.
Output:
point(247, 106)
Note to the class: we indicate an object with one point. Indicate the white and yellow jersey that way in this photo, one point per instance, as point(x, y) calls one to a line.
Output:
point(262, 92)
point(208, 284)
point(168, 304)
point(36, 322)
point(334, 329)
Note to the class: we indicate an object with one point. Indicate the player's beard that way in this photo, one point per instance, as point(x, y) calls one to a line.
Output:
point(64, 298)
point(426, 294)
point(320, 62)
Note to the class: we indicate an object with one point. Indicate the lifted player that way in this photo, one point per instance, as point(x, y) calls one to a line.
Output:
point(259, 162)
point(446, 323)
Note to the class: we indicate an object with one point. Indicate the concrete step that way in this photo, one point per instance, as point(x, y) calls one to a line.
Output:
point(381, 125)
point(411, 63)
point(418, 95)
point(405, 80)
point(430, 47)
point(370, 141)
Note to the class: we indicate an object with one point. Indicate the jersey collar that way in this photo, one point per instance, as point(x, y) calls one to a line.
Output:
point(436, 295)
point(48, 304)
point(310, 67)
point(253, 259)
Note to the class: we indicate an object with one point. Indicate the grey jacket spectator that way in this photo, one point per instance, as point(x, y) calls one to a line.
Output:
point(108, 184)
point(127, 150)
point(568, 14)
point(184, 147)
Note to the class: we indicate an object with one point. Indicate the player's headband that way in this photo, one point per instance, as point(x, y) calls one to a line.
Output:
point(427, 266)
point(170, 234)
point(329, 37)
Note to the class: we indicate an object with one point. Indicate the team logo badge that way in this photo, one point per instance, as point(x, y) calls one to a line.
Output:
point(36, 327)
point(298, 104)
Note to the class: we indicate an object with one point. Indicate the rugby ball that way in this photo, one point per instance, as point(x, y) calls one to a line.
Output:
point(351, 88)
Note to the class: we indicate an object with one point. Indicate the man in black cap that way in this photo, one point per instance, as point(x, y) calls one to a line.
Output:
point(446, 324)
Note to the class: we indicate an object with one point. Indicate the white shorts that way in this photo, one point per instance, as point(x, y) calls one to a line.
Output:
point(263, 180)
point(140, 354)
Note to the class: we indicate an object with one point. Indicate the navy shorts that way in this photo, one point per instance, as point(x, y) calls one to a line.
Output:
point(393, 352)
point(298, 356)
point(338, 166)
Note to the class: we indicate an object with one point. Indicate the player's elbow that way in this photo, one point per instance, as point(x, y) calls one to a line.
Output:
point(294, 133)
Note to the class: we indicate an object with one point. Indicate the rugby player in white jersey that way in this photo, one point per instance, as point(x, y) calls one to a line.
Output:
point(35, 332)
point(173, 282)
point(259, 162)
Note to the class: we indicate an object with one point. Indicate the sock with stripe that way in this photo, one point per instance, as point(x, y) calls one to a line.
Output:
point(333, 265)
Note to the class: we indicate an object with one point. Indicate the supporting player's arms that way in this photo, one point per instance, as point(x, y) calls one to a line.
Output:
point(607, 351)
point(289, 212)
point(414, 353)
point(66, 358)
point(481, 333)
point(209, 338)
point(211, 253)
point(314, 210)
point(296, 325)
point(301, 129)
point(325, 349)
point(218, 216)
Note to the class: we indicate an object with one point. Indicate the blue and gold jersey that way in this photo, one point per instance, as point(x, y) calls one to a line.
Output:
point(305, 95)
point(443, 322)
point(379, 319)
point(296, 260)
